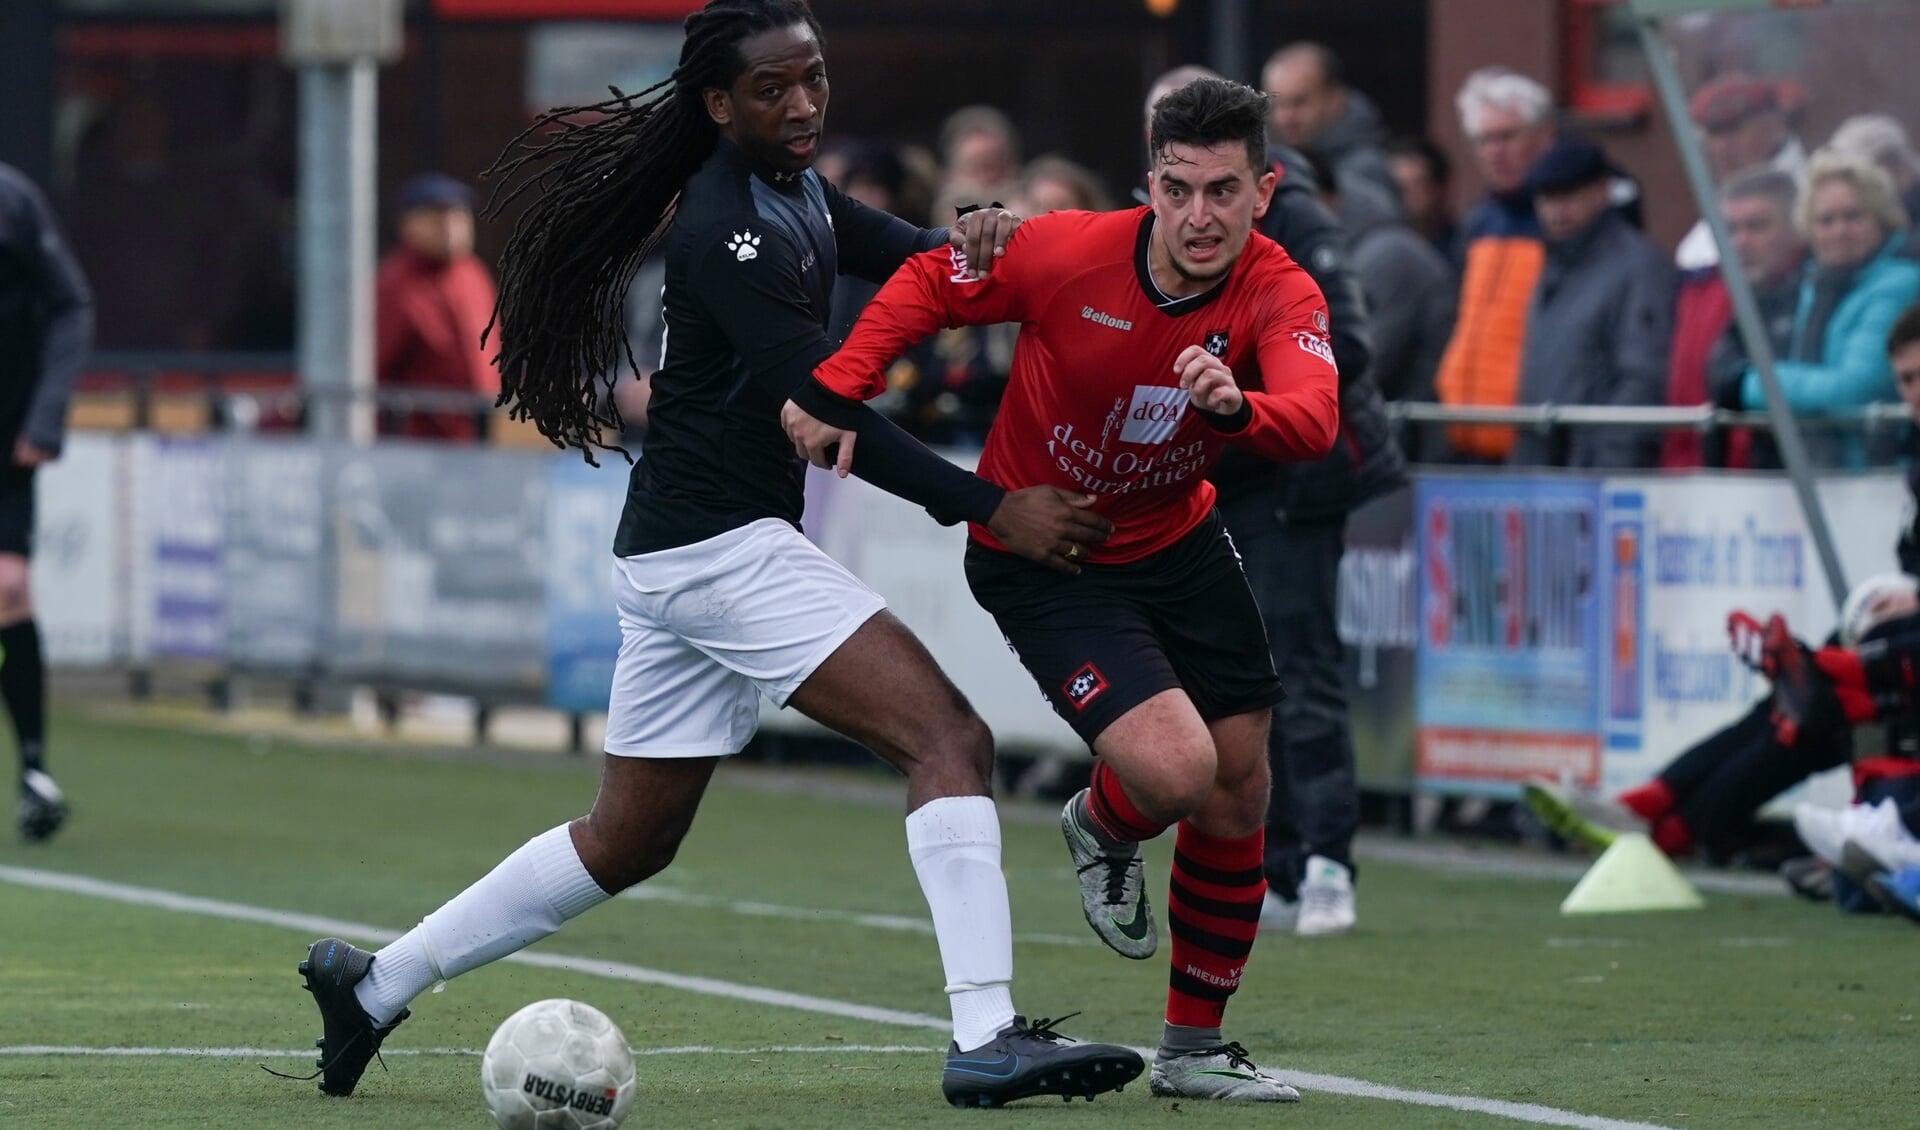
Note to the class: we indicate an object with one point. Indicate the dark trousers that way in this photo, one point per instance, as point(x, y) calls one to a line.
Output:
point(1723, 780)
point(1294, 568)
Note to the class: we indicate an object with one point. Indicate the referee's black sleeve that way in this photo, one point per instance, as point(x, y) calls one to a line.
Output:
point(760, 305)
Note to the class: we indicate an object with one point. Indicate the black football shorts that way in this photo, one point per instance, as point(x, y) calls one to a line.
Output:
point(16, 511)
point(1104, 642)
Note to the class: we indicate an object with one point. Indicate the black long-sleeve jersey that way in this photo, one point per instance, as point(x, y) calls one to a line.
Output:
point(750, 265)
point(46, 319)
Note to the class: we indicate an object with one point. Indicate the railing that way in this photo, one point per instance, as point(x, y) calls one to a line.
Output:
point(1702, 418)
point(228, 391)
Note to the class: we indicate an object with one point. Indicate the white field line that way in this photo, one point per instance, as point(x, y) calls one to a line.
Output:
point(620, 971)
point(318, 926)
point(304, 1053)
point(650, 892)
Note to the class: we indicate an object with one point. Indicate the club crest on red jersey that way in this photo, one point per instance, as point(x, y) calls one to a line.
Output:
point(1216, 344)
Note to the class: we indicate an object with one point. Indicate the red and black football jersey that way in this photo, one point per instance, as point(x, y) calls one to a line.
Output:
point(1094, 403)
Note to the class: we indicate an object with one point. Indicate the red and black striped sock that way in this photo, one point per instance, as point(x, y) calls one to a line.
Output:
point(1213, 912)
point(1114, 817)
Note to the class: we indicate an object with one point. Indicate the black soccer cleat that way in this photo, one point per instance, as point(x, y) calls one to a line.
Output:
point(1025, 1060)
point(43, 807)
point(351, 1038)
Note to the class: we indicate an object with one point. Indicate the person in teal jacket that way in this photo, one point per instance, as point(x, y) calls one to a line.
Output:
point(1856, 284)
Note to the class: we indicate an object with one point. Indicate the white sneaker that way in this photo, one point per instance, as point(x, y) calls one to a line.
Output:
point(1278, 915)
point(1326, 899)
point(1869, 851)
point(1825, 831)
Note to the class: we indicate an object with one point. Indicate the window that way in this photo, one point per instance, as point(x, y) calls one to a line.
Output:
point(1606, 72)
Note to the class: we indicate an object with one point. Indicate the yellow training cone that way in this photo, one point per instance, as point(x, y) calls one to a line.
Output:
point(1632, 875)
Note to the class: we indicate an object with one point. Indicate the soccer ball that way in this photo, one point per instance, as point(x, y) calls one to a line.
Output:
point(557, 1064)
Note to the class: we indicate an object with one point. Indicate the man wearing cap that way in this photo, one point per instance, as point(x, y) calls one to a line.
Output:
point(1743, 123)
point(1600, 318)
point(432, 299)
point(1743, 126)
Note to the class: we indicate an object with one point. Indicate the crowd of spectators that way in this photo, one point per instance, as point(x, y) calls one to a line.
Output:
point(1544, 291)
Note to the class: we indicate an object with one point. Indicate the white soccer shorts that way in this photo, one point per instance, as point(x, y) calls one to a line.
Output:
point(707, 629)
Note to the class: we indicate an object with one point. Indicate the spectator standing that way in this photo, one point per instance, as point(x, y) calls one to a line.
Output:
point(980, 149)
point(46, 331)
point(1410, 298)
point(1508, 118)
point(1051, 183)
point(432, 300)
point(1600, 320)
point(1743, 123)
point(1311, 107)
point(1880, 138)
point(1759, 205)
point(1424, 176)
point(1856, 285)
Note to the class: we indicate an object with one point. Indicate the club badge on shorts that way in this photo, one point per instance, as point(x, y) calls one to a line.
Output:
point(1086, 685)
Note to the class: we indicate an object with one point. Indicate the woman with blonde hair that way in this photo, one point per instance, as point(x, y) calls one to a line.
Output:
point(1856, 284)
point(1051, 183)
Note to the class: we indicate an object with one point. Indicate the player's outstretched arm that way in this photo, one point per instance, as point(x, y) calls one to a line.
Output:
point(873, 244)
point(930, 291)
point(1043, 524)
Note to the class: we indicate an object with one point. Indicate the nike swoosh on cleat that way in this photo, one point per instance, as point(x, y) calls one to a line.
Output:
point(1134, 928)
point(976, 1066)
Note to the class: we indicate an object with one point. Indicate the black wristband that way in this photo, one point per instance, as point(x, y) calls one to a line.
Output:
point(1229, 423)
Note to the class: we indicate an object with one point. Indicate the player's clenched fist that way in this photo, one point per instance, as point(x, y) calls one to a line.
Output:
point(1208, 381)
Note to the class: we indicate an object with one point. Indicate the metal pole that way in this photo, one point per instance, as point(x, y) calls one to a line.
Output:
point(1227, 37)
point(336, 209)
point(1746, 311)
point(336, 44)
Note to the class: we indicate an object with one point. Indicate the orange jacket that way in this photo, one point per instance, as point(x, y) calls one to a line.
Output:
point(1482, 362)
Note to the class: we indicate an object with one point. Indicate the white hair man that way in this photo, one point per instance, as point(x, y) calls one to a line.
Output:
point(1508, 118)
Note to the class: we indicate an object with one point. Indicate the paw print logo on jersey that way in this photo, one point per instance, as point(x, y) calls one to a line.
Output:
point(745, 245)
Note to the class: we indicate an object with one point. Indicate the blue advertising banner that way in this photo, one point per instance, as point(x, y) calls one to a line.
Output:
point(583, 628)
point(1509, 654)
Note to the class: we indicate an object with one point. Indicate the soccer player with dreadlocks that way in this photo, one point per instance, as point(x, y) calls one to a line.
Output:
point(721, 599)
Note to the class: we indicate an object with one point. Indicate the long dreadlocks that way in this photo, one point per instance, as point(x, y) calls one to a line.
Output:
point(607, 187)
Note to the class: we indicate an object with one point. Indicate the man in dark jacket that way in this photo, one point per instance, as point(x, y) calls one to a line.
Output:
point(1601, 317)
point(1759, 208)
point(1311, 107)
point(46, 329)
point(1410, 294)
point(1289, 522)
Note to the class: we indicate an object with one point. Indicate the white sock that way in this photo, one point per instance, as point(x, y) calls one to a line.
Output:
point(955, 846)
point(516, 904)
